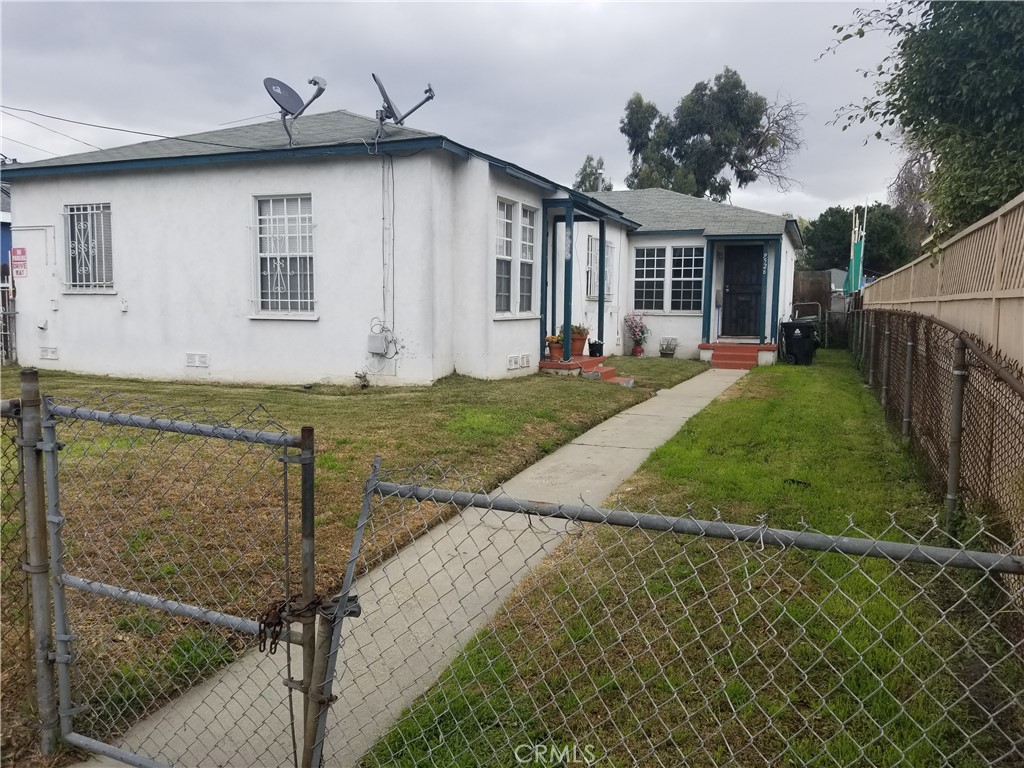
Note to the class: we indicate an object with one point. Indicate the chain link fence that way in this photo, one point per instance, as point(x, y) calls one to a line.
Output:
point(509, 632)
point(959, 404)
point(16, 678)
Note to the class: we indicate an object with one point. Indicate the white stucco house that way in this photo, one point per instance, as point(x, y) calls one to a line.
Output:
point(231, 256)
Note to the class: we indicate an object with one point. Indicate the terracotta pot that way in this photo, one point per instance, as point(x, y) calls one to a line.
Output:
point(556, 350)
point(579, 340)
point(637, 351)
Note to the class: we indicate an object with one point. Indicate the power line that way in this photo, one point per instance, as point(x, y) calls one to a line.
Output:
point(127, 130)
point(243, 119)
point(22, 143)
point(52, 130)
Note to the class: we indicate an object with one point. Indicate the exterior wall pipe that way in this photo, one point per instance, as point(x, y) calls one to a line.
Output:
point(601, 288)
point(956, 428)
point(544, 297)
point(717, 529)
point(37, 566)
point(567, 287)
point(908, 377)
point(885, 363)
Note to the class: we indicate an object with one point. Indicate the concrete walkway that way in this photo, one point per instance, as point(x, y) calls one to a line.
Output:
point(419, 608)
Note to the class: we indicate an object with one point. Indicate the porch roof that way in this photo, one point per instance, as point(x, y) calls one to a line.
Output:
point(661, 210)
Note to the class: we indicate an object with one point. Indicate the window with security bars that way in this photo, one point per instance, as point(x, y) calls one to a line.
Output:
point(528, 233)
point(594, 267)
point(284, 252)
point(90, 254)
point(649, 279)
point(687, 279)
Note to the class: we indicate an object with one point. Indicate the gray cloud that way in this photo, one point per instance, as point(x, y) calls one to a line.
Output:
point(540, 85)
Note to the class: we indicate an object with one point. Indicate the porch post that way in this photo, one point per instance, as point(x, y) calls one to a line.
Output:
point(554, 278)
point(544, 298)
point(777, 282)
point(763, 304)
point(601, 280)
point(567, 288)
point(709, 263)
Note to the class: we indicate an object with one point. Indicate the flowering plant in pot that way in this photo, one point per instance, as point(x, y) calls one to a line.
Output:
point(555, 348)
point(638, 331)
point(579, 337)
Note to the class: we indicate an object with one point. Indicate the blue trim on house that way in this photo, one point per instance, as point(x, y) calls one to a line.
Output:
point(601, 240)
point(763, 303)
point(740, 238)
point(567, 288)
point(554, 281)
point(666, 232)
point(294, 153)
point(709, 263)
point(775, 290)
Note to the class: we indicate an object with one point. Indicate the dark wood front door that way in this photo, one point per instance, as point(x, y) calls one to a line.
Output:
point(742, 295)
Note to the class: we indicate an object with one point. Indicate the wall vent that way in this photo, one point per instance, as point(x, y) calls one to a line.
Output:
point(49, 353)
point(525, 361)
point(513, 362)
point(197, 360)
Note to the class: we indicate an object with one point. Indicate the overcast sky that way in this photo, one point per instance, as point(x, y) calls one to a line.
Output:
point(537, 84)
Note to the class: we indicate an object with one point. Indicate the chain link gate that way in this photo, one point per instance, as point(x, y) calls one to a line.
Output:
point(181, 555)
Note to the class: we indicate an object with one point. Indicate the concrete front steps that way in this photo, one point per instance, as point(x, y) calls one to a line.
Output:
point(737, 356)
point(586, 366)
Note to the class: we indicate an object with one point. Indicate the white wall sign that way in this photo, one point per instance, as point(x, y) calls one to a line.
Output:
point(19, 262)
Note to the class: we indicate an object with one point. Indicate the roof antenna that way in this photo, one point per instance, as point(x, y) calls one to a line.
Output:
point(290, 102)
point(389, 111)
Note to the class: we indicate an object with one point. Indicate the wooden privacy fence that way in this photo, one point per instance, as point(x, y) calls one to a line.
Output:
point(977, 282)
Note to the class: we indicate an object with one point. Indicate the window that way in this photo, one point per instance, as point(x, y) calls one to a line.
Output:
point(685, 279)
point(649, 279)
point(90, 257)
point(503, 253)
point(529, 226)
point(514, 257)
point(284, 254)
point(594, 266)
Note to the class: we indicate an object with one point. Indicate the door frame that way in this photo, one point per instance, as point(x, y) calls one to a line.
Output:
point(755, 287)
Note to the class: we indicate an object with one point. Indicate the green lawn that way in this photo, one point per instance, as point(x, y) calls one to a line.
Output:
point(201, 520)
point(656, 650)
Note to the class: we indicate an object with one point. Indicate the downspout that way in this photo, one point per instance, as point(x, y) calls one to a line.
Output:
point(600, 284)
point(544, 298)
point(567, 288)
point(776, 283)
point(763, 303)
point(709, 262)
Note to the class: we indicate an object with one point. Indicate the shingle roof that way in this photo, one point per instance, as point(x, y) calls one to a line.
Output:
point(663, 210)
point(310, 130)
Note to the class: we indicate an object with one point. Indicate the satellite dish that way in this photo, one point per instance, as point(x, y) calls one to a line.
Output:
point(389, 111)
point(290, 102)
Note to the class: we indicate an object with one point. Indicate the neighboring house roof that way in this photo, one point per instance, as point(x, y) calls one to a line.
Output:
point(661, 210)
point(315, 130)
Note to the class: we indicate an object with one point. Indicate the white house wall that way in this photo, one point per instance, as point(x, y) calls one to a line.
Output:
point(184, 273)
point(585, 310)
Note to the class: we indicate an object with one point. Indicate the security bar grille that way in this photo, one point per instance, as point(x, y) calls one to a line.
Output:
point(284, 233)
point(90, 258)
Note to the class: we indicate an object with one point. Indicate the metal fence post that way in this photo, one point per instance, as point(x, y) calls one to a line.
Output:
point(38, 566)
point(956, 428)
point(885, 362)
point(871, 351)
point(908, 378)
point(308, 618)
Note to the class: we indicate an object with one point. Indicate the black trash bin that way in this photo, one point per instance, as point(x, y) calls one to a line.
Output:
point(800, 340)
point(596, 348)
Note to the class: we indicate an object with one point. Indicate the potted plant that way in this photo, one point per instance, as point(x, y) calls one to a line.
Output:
point(638, 331)
point(579, 338)
point(555, 348)
point(667, 346)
